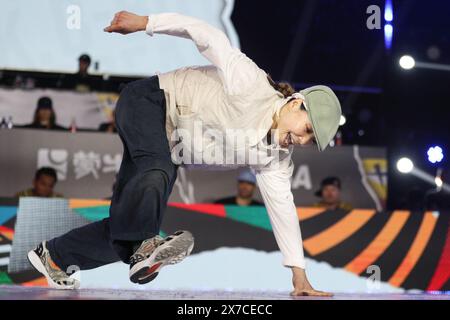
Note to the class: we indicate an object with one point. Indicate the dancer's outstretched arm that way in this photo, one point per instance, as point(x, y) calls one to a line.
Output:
point(238, 73)
point(275, 187)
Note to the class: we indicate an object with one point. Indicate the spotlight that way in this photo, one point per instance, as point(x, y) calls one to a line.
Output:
point(439, 182)
point(407, 62)
point(435, 154)
point(342, 120)
point(405, 165)
point(388, 28)
point(438, 179)
point(388, 11)
point(388, 33)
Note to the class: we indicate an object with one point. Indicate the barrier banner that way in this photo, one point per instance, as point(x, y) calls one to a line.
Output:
point(86, 110)
point(87, 163)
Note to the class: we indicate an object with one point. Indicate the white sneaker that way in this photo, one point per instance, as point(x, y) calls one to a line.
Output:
point(157, 252)
point(56, 278)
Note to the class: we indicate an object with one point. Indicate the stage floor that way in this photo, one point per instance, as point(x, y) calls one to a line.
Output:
point(39, 293)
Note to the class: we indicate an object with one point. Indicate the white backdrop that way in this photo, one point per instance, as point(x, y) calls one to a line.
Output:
point(44, 35)
point(217, 270)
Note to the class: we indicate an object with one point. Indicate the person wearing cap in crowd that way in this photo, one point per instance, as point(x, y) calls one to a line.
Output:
point(44, 183)
point(44, 116)
point(245, 188)
point(156, 119)
point(330, 194)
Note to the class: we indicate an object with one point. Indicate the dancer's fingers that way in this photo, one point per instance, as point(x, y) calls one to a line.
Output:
point(113, 27)
point(315, 293)
point(116, 18)
point(125, 23)
point(107, 29)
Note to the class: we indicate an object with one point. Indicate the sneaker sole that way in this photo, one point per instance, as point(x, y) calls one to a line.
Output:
point(171, 252)
point(36, 262)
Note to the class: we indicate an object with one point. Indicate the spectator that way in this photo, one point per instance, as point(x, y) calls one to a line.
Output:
point(82, 79)
point(330, 194)
point(44, 116)
point(109, 126)
point(245, 190)
point(84, 61)
point(44, 183)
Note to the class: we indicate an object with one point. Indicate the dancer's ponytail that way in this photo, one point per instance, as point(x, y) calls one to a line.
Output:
point(285, 88)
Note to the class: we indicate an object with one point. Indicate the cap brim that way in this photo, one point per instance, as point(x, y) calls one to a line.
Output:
point(314, 126)
point(322, 138)
point(251, 182)
point(319, 146)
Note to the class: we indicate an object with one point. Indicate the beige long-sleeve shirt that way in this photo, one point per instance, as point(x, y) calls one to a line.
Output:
point(232, 93)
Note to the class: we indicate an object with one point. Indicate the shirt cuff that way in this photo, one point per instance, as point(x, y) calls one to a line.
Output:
point(150, 26)
point(300, 263)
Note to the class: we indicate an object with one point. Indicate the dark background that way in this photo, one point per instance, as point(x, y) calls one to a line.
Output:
point(308, 42)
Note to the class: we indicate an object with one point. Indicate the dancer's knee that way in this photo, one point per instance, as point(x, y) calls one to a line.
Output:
point(154, 178)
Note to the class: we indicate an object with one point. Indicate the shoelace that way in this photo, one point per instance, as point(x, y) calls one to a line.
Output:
point(55, 274)
point(148, 245)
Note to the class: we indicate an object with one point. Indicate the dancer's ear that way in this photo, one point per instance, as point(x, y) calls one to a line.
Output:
point(295, 104)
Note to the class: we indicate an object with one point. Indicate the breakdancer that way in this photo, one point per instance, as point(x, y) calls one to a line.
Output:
point(157, 120)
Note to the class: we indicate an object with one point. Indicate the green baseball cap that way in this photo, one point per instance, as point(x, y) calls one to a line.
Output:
point(324, 112)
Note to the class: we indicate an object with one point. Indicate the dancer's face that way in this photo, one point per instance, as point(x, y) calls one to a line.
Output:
point(294, 126)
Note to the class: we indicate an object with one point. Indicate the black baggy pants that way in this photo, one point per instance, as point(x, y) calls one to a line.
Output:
point(144, 183)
